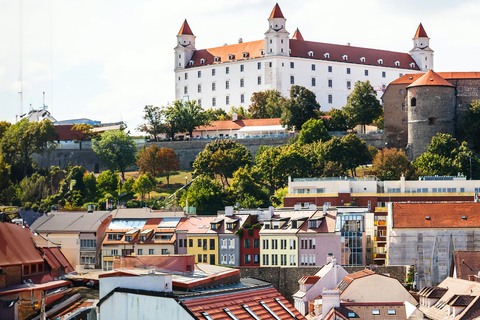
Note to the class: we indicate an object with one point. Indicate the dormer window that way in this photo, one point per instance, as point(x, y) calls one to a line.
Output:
point(202, 61)
point(262, 52)
point(191, 62)
point(345, 57)
point(216, 59)
point(362, 59)
point(245, 55)
point(231, 56)
point(412, 65)
point(397, 63)
point(326, 55)
point(310, 53)
point(380, 61)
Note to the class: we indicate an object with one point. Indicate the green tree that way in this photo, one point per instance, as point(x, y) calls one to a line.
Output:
point(363, 106)
point(116, 149)
point(153, 125)
point(301, 107)
point(108, 183)
point(144, 184)
point(90, 183)
point(338, 121)
point(6, 186)
point(349, 152)
point(247, 191)
point(205, 194)
point(391, 164)
point(4, 125)
point(278, 196)
point(266, 104)
point(313, 130)
point(87, 131)
point(471, 124)
point(221, 158)
point(241, 113)
point(187, 116)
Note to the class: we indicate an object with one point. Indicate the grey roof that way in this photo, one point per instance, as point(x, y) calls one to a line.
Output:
point(70, 221)
point(144, 213)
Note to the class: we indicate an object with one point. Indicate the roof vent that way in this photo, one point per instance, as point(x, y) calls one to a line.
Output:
point(410, 78)
point(427, 218)
point(431, 79)
point(348, 44)
point(464, 218)
point(240, 40)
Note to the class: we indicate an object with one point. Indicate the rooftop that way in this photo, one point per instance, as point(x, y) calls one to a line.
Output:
point(16, 246)
point(70, 221)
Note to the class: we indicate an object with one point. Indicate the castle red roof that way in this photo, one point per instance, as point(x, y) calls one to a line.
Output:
point(276, 12)
point(297, 35)
point(411, 78)
point(430, 79)
point(420, 32)
point(185, 29)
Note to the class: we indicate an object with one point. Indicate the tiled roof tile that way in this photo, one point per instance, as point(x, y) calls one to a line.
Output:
point(430, 79)
point(297, 35)
point(185, 29)
point(420, 32)
point(276, 12)
point(16, 246)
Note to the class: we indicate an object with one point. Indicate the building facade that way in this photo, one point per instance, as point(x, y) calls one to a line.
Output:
point(227, 76)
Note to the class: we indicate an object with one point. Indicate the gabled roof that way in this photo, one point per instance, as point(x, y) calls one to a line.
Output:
point(351, 277)
point(327, 223)
point(436, 215)
point(297, 35)
point(467, 263)
point(198, 224)
point(420, 32)
point(56, 260)
point(276, 12)
point(16, 246)
point(259, 301)
point(430, 79)
point(185, 29)
point(70, 221)
point(308, 279)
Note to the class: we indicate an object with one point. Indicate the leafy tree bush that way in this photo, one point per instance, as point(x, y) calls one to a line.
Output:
point(391, 164)
point(313, 130)
point(205, 194)
point(471, 124)
point(301, 107)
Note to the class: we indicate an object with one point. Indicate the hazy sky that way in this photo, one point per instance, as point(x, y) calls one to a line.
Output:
point(105, 60)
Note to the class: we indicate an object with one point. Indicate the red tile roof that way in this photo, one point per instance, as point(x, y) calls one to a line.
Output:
point(420, 32)
point(357, 275)
point(467, 263)
point(198, 224)
point(411, 78)
point(309, 279)
point(56, 260)
point(236, 125)
point(430, 79)
point(185, 29)
point(234, 301)
point(436, 215)
point(297, 35)
point(16, 246)
point(276, 12)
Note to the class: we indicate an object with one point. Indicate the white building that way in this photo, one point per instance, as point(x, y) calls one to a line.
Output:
point(227, 76)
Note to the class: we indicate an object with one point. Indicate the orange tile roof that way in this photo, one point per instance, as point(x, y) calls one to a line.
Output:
point(236, 125)
point(420, 32)
point(16, 246)
point(276, 12)
point(309, 279)
point(440, 215)
point(357, 275)
point(431, 79)
point(198, 224)
point(215, 305)
point(253, 49)
point(410, 78)
point(297, 35)
point(467, 263)
point(185, 29)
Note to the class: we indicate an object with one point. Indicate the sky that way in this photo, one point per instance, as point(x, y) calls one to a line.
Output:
point(105, 60)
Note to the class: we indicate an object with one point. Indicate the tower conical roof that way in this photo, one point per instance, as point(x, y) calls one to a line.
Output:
point(297, 35)
point(185, 29)
point(276, 12)
point(420, 32)
point(430, 79)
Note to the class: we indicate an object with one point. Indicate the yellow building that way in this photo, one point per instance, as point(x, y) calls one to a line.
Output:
point(202, 238)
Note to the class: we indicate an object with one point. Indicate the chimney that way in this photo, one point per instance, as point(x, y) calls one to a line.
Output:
point(471, 278)
point(229, 211)
point(234, 117)
point(330, 299)
point(329, 257)
point(240, 40)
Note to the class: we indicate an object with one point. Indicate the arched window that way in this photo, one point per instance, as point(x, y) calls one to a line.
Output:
point(413, 102)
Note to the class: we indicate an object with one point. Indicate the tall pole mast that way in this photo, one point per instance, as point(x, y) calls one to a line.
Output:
point(20, 71)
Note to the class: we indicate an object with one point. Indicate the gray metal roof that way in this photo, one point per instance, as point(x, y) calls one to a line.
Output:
point(144, 213)
point(70, 221)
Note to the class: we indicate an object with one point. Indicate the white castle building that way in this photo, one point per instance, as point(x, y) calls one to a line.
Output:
point(227, 76)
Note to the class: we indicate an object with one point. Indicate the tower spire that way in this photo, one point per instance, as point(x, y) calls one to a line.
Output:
point(420, 32)
point(297, 35)
point(185, 29)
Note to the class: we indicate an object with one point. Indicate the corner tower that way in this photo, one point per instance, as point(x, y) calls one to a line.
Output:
point(276, 37)
point(185, 46)
point(421, 52)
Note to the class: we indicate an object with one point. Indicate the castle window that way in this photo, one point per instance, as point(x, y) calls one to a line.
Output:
point(330, 83)
point(199, 88)
point(216, 59)
point(281, 41)
point(186, 76)
point(227, 70)
point(404, 121)
point(231, 56)
point(314, 82)
point(413, 102)
point(366, 73)
point(310, 53)
point(214, 86)
point(202, 61)
point(242, 98)
point(227, 84)
point(200, 104)
point(432, 121)
point(403, 106)
point(425, 58)
point(330, 68)
point(242, 68)
point(185, 90)
point(259, 65)
point(245, 55)
point(270, 40)
point(384, 74)
point(460, 90)
point(345, 57)
point(214, 102)
point(348, 70)
point(191, 62)
point(400, 91)
point(281, 50)
point(397, 63)
point(330, 98)
point(349, 85)
point(313, 67)
point(242, 83)
point(270, 64)
point(262, 52)
point(213, 72)
point(271, 50)
point(478, 89)
point(412, 65)
point(259, 80)
point(227, 100)
point(380, 61)
point(199, 74)
point(362, 59)
point(326, 55)
point(292, 80)
point(292, 65)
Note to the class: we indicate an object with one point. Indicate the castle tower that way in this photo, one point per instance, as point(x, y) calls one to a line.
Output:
point(431, 109)
point(297, 35)
point(185, 46)
point(421, 52)
point(276, 37)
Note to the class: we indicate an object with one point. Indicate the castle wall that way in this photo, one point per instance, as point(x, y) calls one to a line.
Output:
point(395, 115)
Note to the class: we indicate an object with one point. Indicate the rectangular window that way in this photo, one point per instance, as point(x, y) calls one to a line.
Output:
point(224, 259)
point(259, 80)
point(185, 90)
point(214, 86)
point(227, 84)
point(256, 243)
point(403, 106)
point(366, 72)
point(232, 259)
point(330, 98)
point(247, 243)
point(314, 82)
point(140, 252)
point(199, 258)
point(224, 243)
point(348, 70)
point(186, 76)
point(292, 65)
point(460, 90)
point(256, 258)
point(199, 88)
point(242, 68)
point(292, 80)
point(384, 74)
point(232, 243)
point(212, 244)
point(190, 243)
point(330, 68)
point(259, 65)
point(204, 244)
point(199, 74)
point(227, 100)
point(391, 312)
point(313, 67)
point(349, 85)
point(242, 83)
point(375, 312)
point(213, 72)
point(265, 244)
point(199, 101)
point(214, 102)
point(247, 259)
point(151, 251)
point(227, 70)
point(330, 83)
point(242, 98)
point(199, 243)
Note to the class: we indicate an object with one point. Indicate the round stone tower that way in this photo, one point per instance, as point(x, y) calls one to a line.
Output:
point(431, 109)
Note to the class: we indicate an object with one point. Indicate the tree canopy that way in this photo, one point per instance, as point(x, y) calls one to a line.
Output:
point(187, 116)
point(471, 124)
point(153, 125)
point(301, 107)
point(390, 164)
point(205, 194)
point(266, 104)
point(156, 161)
point(313, 130)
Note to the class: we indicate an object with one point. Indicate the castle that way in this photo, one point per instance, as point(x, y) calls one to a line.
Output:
point(227, 76)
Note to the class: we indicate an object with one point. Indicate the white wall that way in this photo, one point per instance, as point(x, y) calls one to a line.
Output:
point(152, 282)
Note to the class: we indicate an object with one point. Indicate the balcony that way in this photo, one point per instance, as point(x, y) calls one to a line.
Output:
point(380, 256)
point(88, 249)
point(380, 223)
point(299, 195)
point(380, 239)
